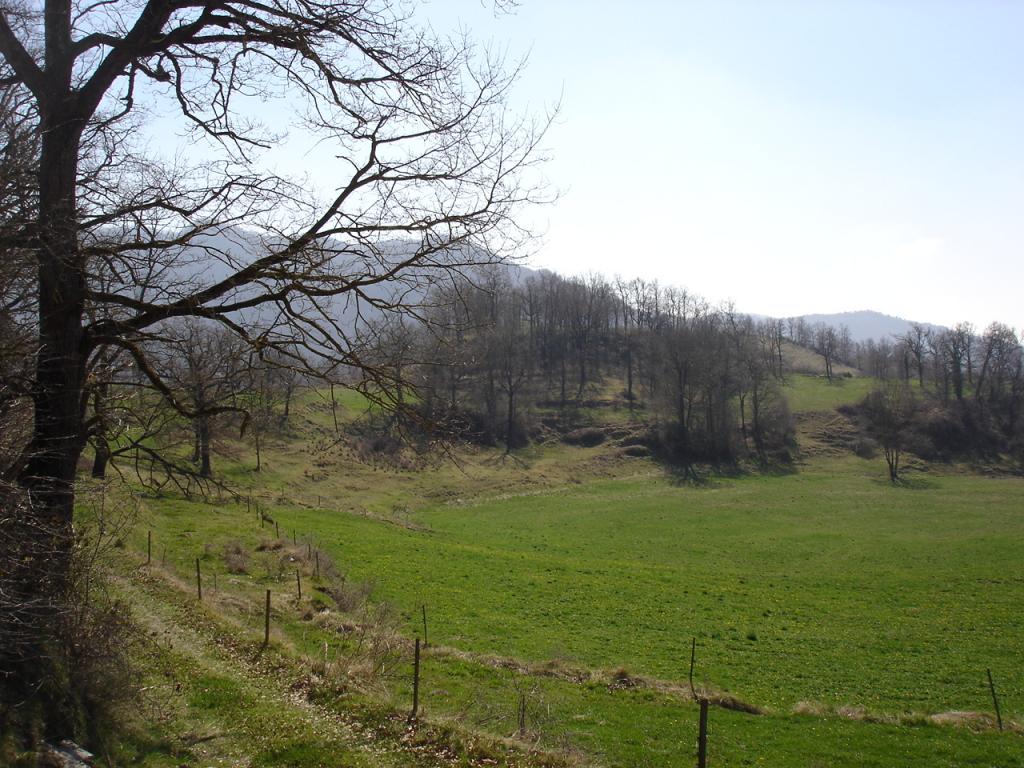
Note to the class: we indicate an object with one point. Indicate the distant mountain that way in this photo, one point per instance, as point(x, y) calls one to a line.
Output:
point(211, 258)
point(868, 324)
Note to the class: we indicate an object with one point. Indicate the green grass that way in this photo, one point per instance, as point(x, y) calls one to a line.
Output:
point(815, 393)
point(827, 586)
point(857, 593)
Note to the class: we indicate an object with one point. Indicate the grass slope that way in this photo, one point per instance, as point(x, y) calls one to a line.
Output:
point(825, 592)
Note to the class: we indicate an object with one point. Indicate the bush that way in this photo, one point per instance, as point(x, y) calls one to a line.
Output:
point(588, 437)
point(64, 641)
point(236, 557)
point(865, 447)
point(349, 597)
point(636, 451)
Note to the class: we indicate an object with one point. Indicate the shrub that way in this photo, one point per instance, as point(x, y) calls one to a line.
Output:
point(349, 597)
point(865, 447)
point(236, 557)
point(636, 451)
point(64, 640)
point(588, 437)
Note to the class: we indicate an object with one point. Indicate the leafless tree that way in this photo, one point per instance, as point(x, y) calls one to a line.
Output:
point(205, 369)
point(890, 411)
point(511, 348)
point(120, 243)
point(954, 347)
point(771, 334)
point(915, 341)
point(998, 383)
point(123, 244)
point(826, 343)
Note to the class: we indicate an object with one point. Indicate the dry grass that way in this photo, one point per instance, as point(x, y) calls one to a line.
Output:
point(975, 721)
point(615, 679)
point(236, 557)
point(802, 360)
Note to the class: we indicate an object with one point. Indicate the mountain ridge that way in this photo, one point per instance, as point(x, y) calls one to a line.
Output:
point(866, 324)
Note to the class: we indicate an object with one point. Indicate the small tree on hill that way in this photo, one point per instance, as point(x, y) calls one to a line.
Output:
point(889, 413)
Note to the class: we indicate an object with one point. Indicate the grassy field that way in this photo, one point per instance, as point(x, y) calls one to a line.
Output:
point(815, 393)
point(847, 610)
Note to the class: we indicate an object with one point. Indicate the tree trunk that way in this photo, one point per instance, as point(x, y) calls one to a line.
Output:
point(892, 459)
point(755, 407)
point(743, 420)
point(58, 436)
point(563, 382)
point(334, 409)
point(205, 469)
point(289, 390)
point(45, 547)
point(99, 462)
point(629, 376)
point(511, 417)
point(958, 381)
point(491, 397)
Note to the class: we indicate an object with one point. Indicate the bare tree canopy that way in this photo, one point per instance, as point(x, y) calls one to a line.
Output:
point(124, 242)
point(106, 242)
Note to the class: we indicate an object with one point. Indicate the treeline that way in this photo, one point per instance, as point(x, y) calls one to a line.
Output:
point(965, 388)
point(499, 355)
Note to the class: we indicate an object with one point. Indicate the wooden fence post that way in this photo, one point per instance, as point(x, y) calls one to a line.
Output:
point(522, 715)
point(702, 735)
point(316, 556)
point(298, 582)
point(149, 548)
point(415, 683)
point(693, 659)
point(266, 623)
point(199, 580)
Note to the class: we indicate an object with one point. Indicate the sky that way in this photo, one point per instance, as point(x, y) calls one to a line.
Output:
point(791, 157)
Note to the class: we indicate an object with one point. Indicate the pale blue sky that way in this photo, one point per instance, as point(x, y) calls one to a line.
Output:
point(793, 157)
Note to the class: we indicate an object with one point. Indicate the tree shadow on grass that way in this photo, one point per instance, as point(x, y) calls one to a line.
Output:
point(699, 475)
point(911, 483)
point(708, 475)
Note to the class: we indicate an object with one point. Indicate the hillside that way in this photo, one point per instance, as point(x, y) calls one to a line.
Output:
point(868, 324)
point(559, 589)
point(212, 257)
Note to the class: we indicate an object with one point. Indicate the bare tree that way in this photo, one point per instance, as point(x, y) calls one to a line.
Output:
point(890, 412)
point(121, 243)
point(954, 348)
point(511, 346)
point(206, 371)
point(826, 342)
point(915, 341)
